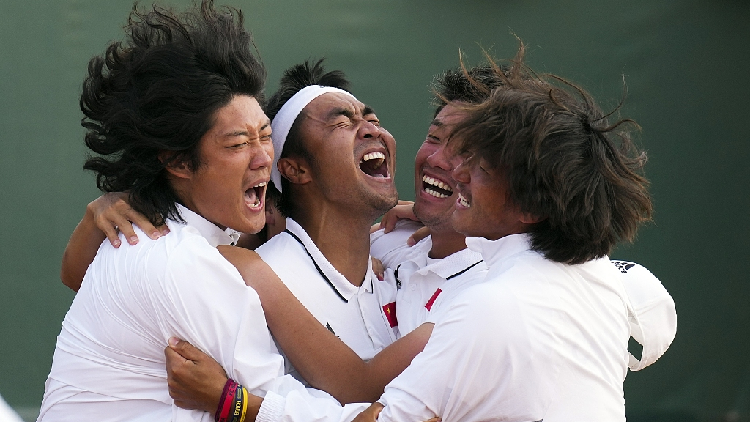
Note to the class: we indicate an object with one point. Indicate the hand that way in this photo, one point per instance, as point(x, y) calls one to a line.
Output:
point(402, 210)
point(195, 380)
point(370, 414)
point(418, 235)
point(378, 268)
point(112, 213)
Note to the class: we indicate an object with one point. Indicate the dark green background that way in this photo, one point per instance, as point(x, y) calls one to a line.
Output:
point(686, 65)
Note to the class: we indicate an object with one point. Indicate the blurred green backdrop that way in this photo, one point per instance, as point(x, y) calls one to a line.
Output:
point(686, 65)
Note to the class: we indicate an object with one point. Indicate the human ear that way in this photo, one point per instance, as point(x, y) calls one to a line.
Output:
point(295, 170)
point(176, 167)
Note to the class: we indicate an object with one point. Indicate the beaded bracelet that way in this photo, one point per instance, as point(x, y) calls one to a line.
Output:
point(233, 403)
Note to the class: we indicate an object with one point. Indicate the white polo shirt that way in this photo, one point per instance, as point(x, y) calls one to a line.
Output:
point(417, 286)
point(109, 362)
point(537, 340)
point(352, 313)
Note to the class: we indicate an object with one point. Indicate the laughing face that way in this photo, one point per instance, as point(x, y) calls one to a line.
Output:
point(435, 198)
point(353, 158)
point(229, 187)
point(483, 207)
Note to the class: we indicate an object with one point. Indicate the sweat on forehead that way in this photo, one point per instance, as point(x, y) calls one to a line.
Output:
point(285, 118)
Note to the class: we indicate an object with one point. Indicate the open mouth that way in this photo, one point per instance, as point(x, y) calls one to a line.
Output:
point(254, 195)
point(435, 187)
point(463, 201)
point(373, 164)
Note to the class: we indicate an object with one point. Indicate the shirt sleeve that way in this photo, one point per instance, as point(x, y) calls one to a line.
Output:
point(479, 364)
point(203, 299)
point(306, 405)
point(390, 247)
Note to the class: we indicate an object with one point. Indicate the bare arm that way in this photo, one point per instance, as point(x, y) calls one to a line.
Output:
point(319, 356)
point(104, 218)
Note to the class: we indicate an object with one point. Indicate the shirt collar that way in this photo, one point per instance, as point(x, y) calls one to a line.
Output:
point(449, 265)
point(496, 250)
point(210, 231)
point(346, 289)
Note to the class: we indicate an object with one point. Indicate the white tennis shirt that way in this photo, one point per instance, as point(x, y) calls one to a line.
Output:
point(352, 313)
point(109, 362)
point(537, 340)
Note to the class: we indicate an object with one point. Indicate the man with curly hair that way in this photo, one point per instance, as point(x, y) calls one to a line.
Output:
point(174, 117)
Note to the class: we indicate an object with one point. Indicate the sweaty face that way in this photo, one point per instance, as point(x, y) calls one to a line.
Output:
point(483, 208)
point(353, 158)
point(229, 187)
point(435, 197)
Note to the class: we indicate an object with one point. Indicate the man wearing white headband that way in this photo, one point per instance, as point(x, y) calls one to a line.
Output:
point(334, 167)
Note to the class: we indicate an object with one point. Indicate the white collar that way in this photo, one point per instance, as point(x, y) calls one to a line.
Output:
point(495, 250)
point(445, 267)
point(344, 288)
point(210, 231)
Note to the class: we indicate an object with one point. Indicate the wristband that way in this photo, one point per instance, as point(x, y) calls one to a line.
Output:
point(226, 402)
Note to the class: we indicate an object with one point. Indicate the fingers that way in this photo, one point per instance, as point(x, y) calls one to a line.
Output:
point(370, 414)
point(378, 268)
point(113, 214)
point(186, 350)
point(404, 210)
point(418, 235)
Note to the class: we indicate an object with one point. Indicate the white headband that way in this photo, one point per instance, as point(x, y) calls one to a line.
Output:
point(284, 120)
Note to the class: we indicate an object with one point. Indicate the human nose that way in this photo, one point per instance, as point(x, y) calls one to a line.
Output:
point(441, 159)
point(263, 157)
point(369, 130)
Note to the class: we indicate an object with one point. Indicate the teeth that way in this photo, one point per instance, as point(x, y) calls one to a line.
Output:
point(462, 200)
point(434, 182)
point(373, 156)
point(435, 193)
point(260, 185)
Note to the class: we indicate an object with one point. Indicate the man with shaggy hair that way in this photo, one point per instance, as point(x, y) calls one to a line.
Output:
point(546, 188)
point(174, 116)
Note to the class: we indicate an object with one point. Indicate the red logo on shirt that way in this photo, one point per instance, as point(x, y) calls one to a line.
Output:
point(390, 314)
point(429, 303)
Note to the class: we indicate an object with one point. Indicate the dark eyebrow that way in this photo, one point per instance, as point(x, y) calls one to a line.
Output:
point(436, 122)
point(266, 125)
point(339, 111)
point(368, 110)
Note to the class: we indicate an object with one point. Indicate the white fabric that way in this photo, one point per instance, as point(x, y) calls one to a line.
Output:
point(285, 118)
point(7, 414)
point(355, 316)
point(537, 340)
point(419, 277)
point(653, 318)
point(109, 362)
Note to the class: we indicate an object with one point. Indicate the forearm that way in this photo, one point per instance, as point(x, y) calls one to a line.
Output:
point(80, 251)
point(324, 360)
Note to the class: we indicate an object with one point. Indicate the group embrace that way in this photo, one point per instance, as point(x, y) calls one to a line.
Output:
point(243, 278)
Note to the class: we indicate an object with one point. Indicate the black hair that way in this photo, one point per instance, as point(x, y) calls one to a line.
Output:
point(149, 100)
point(295, 79)
point(472, 85)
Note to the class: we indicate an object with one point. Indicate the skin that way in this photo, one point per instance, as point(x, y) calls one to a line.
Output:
point(336, 201)
point(323, 360)
point(483, 208)
point(228, 188)
point(431, 206)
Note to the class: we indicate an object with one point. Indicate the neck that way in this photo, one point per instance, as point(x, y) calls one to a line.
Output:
point(445, 242)
point(343, 239)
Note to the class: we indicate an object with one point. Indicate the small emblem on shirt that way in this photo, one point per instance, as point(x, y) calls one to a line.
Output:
point(328, 326)
point(390, 314)
point(623, 266)
point(430, 302)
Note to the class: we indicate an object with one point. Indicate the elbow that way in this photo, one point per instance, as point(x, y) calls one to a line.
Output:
point(68, 279)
